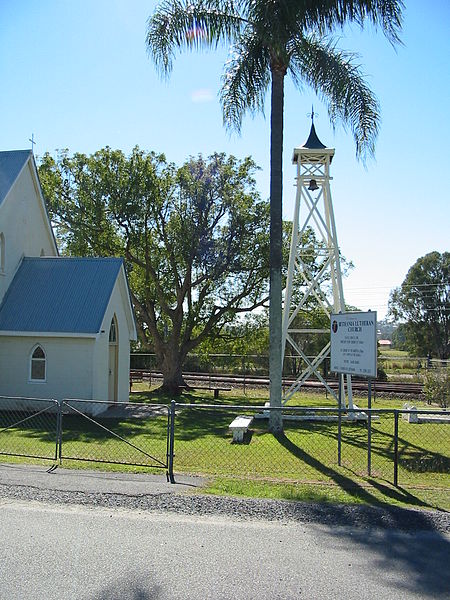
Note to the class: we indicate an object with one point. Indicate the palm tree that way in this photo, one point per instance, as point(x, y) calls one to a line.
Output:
point(269, 39)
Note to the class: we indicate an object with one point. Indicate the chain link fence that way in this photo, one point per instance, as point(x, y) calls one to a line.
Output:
point(120, 433)
point(402, 447)
point(317, 444)
point(29, 427)
point(80, 430)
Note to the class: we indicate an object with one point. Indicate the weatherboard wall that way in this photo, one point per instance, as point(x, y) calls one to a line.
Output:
point(116, 306)
point(69, 367)
point(24, 225)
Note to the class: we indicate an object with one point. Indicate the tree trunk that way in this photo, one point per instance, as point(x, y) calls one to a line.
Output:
point(276, 190)
point(171, 367)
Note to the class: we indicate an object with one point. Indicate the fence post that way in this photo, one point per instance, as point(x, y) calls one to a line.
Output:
point(339, 434)
point(58, 453)
point(396, 448)
point(171, 442)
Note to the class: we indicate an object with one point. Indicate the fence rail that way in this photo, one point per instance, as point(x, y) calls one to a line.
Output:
point(317, 444)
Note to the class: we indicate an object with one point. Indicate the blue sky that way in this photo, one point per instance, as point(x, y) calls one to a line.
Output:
point(76, 74)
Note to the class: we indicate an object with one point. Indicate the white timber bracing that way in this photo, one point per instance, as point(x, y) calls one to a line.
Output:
point(319, 280)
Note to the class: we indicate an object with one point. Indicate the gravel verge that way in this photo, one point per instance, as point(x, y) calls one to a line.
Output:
point(358, 516)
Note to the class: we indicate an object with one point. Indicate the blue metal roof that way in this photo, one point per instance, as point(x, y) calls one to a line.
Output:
point(11, 163)
point(59, 295)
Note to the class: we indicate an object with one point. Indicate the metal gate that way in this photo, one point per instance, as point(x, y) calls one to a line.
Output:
point(122, 433)
point(29, 427)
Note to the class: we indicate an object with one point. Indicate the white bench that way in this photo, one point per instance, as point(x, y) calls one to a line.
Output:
point(239, 427)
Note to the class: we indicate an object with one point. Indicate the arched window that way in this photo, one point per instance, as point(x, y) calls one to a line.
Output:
point(2, 252)
point(38, 365)
point(113, 331)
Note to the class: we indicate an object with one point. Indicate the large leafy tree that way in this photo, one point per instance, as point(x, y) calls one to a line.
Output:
point(195, 239)
point(271, 38)
point(422, 305)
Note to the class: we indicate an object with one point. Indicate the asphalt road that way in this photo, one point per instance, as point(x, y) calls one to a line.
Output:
point(60, 539)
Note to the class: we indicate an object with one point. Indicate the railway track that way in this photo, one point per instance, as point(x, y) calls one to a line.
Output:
point(241, 381)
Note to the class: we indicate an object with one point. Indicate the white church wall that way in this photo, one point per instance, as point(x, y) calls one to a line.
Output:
point(69, 364)
point(26, 231)
point(101, 353)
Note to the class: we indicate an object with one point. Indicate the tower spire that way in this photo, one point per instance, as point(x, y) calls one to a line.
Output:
point(313, 142)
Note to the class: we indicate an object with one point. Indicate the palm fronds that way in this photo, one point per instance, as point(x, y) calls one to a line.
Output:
point(178, 24)
point(245, 80)
point(337, 78)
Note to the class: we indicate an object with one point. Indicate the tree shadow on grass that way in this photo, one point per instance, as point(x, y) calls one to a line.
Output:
point(412, 457)
point(193, 424)
point(399, 494)
point(350, 486)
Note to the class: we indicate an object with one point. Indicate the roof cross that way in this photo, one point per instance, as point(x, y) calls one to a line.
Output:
point(31, 139)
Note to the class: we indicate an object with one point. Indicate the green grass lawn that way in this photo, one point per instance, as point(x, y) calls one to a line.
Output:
point(301, 464)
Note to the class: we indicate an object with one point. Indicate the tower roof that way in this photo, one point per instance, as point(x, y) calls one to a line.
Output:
point(313, 147)
point(313, 142)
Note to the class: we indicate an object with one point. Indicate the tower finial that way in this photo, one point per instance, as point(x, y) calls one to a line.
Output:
point(312, 114)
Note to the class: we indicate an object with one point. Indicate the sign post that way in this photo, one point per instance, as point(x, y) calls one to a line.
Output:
point(369, 429)
point(354, 352)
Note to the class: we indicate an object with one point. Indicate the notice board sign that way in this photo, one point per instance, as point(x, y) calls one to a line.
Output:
point(354, 343)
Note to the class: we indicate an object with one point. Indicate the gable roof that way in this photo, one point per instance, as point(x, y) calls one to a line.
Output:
point(59, 295)
point(11, 164)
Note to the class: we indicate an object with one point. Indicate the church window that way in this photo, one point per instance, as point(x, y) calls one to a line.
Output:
point(38, 366)
point(113, 332)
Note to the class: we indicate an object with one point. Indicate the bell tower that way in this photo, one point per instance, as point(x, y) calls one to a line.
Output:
point(314, 283)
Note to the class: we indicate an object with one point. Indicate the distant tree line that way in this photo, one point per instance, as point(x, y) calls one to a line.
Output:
point(421, 307)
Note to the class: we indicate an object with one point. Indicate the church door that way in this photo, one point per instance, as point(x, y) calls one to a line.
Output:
point(113, 361)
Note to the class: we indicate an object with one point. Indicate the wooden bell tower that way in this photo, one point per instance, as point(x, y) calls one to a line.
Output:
point(314, 279)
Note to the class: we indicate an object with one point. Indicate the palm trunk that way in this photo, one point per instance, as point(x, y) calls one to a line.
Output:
point(276, 190)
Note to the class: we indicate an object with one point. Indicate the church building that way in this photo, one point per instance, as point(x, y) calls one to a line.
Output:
point(65, 323)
